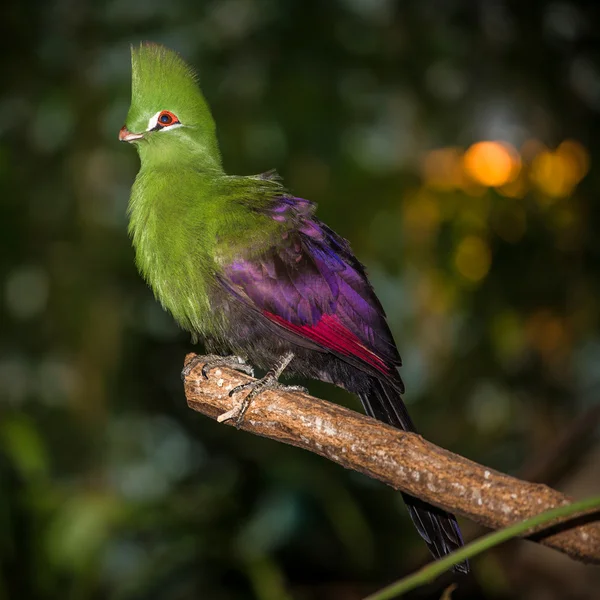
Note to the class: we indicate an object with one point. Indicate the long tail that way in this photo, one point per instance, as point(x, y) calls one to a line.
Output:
point(437, 527)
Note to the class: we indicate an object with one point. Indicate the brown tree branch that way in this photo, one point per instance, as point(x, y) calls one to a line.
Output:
point(405, 461)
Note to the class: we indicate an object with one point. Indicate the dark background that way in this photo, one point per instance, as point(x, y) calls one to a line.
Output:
point(487, 263)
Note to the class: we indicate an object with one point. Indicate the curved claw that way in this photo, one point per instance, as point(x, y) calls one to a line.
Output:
point(269, 381)
point(256, 388)
point(213, 361)
point(264, 385)
point(243, 386)
point(233, 362)
point(190, 366)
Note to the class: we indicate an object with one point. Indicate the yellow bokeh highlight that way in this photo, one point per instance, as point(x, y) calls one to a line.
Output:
point(557, 173)
point(473, 258)
point(550, 175)
point(576, 156)
point(492, 164)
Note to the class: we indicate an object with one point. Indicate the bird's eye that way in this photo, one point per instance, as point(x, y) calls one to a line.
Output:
point(162, 120)
point(167, 118)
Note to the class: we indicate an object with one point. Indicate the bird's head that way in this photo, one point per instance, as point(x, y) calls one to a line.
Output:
point(168, 117)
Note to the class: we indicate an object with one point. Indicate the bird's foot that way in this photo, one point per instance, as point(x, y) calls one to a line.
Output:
point(212, 361)
point(268, 382)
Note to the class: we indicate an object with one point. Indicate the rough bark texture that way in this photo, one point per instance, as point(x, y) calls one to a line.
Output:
point(405, 461)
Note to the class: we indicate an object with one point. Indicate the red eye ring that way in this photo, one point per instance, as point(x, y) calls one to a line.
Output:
point(166, 118)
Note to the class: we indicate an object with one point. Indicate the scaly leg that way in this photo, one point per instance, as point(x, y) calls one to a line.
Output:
point(268, 382)
point(212, 361)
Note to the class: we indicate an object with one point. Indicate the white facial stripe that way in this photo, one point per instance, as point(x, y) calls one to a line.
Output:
point(153, 122)
point(174, 126)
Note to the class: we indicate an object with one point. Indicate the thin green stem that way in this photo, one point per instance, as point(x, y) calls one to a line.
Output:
point(431, 571)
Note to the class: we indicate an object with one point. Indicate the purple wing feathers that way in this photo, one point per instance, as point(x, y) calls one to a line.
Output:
point(310, 274)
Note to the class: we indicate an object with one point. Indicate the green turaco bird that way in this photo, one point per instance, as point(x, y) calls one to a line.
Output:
point(248, 269)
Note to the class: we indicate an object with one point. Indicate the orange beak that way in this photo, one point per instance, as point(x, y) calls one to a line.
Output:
point(126, 136)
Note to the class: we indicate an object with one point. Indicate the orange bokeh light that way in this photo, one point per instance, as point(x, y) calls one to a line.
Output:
point(492, 164)
point(497, 164)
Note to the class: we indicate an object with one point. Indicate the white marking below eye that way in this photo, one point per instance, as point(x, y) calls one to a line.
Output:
point(153, 122)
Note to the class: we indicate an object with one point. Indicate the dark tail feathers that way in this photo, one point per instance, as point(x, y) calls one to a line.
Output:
point(437, 527)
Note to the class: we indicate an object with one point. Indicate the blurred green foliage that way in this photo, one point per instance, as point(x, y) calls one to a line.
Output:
point(109, 486)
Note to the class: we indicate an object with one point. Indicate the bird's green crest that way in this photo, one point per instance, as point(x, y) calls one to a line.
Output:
point(163, 81)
